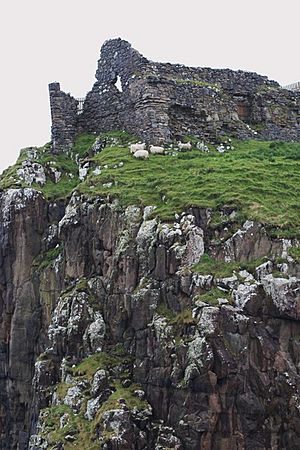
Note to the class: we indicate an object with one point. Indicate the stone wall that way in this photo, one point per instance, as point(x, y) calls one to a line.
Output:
point(161, 102)
point(64, 118)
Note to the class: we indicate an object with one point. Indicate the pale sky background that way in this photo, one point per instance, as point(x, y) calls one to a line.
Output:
point(59, 40)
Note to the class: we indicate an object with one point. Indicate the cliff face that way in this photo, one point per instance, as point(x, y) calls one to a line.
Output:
point(154, 304)
point(113, 336)
point(23, 222)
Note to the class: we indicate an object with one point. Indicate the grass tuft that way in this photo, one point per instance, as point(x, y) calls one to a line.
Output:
point(295, 253)
point(47, 258)
point(221, 269)
point(211, 297)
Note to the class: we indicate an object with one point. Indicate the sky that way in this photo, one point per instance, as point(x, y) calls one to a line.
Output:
point(59, 40)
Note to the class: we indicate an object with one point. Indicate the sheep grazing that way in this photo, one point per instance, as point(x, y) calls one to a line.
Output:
point(221, 148)
point(135, 147)
point(141, 154)
point(154, 150)
point(202, 147)
point(182, 146)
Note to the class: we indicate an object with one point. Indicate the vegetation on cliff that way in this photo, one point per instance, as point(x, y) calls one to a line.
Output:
point(260, 180)
point(62, 425)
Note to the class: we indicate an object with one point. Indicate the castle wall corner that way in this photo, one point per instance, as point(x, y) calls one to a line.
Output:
point(64, 118)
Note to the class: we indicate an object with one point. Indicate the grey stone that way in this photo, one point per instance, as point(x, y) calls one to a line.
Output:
point(205, 102)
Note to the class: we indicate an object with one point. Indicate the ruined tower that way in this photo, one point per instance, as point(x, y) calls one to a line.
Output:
point(161, 102)
point(64, 118)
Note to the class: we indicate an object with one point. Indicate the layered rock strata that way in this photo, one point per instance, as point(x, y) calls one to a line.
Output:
point(112, 338)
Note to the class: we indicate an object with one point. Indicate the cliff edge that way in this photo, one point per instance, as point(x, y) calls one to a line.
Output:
point(153, 303)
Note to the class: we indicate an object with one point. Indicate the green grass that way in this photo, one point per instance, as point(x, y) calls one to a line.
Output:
point(217, 268)
point(61, 190)
point(132, 401)
point(262, 183)
point(250, 266)
point(221, 269)
point(85, 431)
point(278, 274)
point(294, 252)
point(181, 318)
point(81, 285)
point(211, 297)
point(62, 162)
point(103, 360)
point(62, 389)
point(115, 358)
point(7, 176)
point(219, 219)
point(261, 180)
point(46, 259)
point(121, 136)
point(83, 143)
point(181, 322)
point(77, 425)
point(69, 178)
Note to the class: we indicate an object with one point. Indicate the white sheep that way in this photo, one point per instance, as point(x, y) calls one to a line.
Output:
point(182, 146)
point(141, 154)
point(201, 146)
point(154, 150)
point(135, 147)
point(221, 148)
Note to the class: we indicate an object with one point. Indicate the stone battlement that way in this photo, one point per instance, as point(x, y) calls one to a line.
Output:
point(160, 102)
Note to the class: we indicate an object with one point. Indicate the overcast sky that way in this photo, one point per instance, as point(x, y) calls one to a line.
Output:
point(59, 40)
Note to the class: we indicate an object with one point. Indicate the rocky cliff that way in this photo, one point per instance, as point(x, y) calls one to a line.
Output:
point(126, 327)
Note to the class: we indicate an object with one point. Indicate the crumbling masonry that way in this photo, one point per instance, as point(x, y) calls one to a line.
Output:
point(162, 102)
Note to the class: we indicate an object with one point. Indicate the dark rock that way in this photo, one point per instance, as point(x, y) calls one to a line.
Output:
point(215, 377)
point(163, 102)
point(126, 383)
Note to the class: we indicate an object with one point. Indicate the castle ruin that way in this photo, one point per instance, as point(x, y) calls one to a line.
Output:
point(160, 102)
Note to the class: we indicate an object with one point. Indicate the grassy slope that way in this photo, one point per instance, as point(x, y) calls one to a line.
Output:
point(63, 163)
point(260, 179)
point(261, 182)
